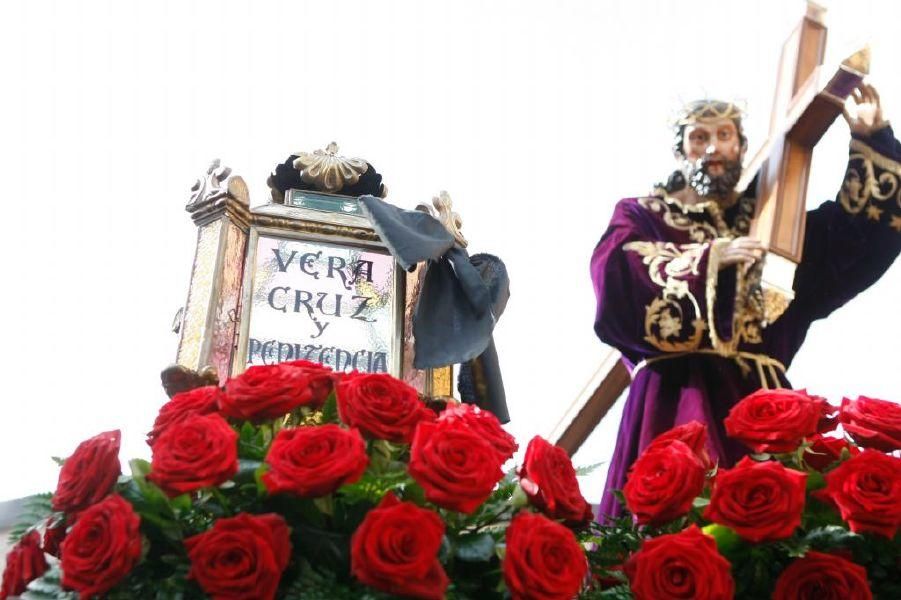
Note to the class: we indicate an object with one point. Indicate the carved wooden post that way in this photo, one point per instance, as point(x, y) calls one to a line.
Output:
point(220, 208)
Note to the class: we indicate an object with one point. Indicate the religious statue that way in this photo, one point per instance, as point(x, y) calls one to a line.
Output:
point(677, 276)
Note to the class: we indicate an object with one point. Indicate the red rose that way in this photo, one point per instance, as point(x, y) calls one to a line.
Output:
point(551, 470)
point(485, 424)
point(54, 534)
point(395, 550)
point(24, 563)
point(198, 401)
point(89, 474)
point(694, 434)
point(321, 379)
point(761, 501)
point(314, 461)
point(265, 392)
point(381, 406)
point(776, 420)
point(543, 560)
point(102, 548)
point(663, 483)
point(200, 452)
point(819, 576)
point(240, 557)
point(456, 468)
point(866, 489)
point(873, 423)
point(680, 565)
point(824, 451)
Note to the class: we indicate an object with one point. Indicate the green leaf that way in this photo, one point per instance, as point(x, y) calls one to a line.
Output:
point(325, 504)
point(700, 503)
point(519, 499)
point(815, 481)
point(59, 461)
point(474, 548)
point(330, 409)
point(726, 539)
point(588, 470)
point(139, 468)
point(253, 442)
point(181, 503)
point(35, 510)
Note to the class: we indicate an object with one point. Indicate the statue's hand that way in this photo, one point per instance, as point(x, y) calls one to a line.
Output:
point(743, 250)
point(863, 110)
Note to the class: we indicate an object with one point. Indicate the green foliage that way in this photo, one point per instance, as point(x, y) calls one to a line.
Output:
point(150, 502)
point(312, 584)
point(35, 510)
point(253, 442)
point(48, 587)
point(619, 592)
point(477, 547)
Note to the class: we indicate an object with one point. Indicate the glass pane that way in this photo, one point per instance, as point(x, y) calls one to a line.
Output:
point(322, 302)
point(324, 202)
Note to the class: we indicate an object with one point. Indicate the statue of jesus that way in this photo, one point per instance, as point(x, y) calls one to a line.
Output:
point(677, 276)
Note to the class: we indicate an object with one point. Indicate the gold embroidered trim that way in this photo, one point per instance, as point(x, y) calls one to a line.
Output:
point(713, 271)
point(876, 158)
point(872, 185)
point(698, 231)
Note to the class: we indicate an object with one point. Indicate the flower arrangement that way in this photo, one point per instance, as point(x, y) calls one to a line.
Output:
point(294, 482)
point(810, 514)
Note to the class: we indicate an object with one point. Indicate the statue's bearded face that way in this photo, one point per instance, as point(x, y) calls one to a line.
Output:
point(712, 152)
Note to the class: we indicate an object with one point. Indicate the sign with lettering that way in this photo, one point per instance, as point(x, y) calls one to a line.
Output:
point(338, 305)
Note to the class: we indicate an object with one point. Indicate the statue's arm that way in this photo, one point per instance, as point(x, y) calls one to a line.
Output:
point(656, 296)
point(852, 241)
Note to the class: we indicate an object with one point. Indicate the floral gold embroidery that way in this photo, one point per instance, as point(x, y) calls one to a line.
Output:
point(666, 324)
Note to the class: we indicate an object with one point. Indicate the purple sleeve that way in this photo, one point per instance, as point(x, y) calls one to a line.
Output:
point(851, 242)
point(652, 294)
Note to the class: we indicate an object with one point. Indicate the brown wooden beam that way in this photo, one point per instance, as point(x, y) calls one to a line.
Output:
point(590, 406)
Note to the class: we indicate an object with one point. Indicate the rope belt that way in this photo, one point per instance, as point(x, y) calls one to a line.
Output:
point(765, 365)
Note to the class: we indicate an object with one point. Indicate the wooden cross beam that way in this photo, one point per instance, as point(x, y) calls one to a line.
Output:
point(806, 104)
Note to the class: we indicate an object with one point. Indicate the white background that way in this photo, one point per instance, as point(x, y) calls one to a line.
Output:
point(535, 116)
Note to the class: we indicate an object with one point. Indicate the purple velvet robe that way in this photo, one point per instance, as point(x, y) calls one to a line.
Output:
point(660, 292)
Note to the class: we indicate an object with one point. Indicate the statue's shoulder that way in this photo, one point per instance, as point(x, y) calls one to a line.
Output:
point(638, 205)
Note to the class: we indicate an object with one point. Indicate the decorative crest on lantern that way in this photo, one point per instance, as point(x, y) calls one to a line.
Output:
point(327, 171)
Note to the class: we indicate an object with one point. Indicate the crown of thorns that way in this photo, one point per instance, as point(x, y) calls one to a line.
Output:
point(706, 111)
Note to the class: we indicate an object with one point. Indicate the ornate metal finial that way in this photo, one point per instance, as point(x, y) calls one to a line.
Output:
point(442, 209)
point(210, 187)
point(327, 171)
point(859, 61)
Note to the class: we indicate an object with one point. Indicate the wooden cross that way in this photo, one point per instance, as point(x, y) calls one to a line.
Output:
point(806, 104)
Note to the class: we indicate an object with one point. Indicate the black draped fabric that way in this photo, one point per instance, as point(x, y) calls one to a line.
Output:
point(460, 301)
